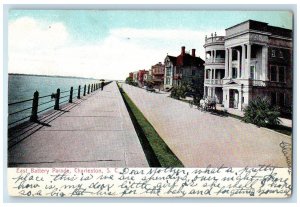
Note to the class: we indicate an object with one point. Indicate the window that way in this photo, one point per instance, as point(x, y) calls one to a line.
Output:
point(252, 72)
point(168, 81)
point(222, 74)
point(273, 73)
point(234, 55)
point(168, 71)
point(207, 55)
point(281, 99)
point(234, 73)
point(207, 74)
point(280, 54)
point(273, 53)
point(193, 72)
point(273, 98)
point(281, 71)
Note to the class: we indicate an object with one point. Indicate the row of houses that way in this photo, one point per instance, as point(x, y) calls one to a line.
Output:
point(153, 76)
point(252, 59)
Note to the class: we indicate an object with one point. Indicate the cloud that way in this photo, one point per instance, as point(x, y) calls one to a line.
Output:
point(48, 48)
point(27, 33)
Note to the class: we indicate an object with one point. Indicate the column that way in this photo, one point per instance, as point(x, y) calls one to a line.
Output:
point(214, 76)
point(243, 61)
point(215, 54)
point(226, 63)
point(225, 97)
point(249, 60)
point(240, 100)
point(214, 73)
point(230, 63)
point(265, 65)
point(238, 65)
point(204, 75)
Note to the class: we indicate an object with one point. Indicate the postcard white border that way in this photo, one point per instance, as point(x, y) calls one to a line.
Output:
point(85, 6)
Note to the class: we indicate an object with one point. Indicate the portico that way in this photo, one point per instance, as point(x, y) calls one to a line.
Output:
point(246, 65)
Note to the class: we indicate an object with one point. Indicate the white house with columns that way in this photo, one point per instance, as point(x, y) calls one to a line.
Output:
point(214, 66)
point(257, 63)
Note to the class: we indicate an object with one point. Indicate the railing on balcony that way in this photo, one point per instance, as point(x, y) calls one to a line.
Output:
point(257, 83)
point(216, 60)
point(214, 81)
point(214, 39)
point(262, 83)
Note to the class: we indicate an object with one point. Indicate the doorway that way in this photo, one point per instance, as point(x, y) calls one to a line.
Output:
point(233, 98)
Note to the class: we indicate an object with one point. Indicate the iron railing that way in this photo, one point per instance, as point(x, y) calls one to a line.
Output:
point(58, 98)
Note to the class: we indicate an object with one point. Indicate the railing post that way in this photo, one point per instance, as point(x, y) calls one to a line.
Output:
point(71, 95)
point(57, 96)
point(34, 110)
point(88, 89)
point(78, 95)
point(84, 90)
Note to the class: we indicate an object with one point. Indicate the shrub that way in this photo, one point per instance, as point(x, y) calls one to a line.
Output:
point(179, 92)
point(130, 81)
point(261, 113)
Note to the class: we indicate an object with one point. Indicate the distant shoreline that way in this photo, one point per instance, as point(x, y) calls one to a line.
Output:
point(52, 76)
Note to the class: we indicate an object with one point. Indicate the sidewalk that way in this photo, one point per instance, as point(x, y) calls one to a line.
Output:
point(95, 131)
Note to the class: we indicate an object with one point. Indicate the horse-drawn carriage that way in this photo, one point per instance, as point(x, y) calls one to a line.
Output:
point(204, 104)
point(208, 103)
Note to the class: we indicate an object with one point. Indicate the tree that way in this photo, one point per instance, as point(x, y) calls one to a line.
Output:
point(261, 113)
point(130, 81)
point(179, 91)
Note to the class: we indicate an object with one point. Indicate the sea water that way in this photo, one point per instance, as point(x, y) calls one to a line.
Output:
point(22, 87)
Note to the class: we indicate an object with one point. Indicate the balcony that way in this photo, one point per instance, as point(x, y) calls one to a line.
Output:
point(218, 39)
point(217, 60)
point(213, 81)
point(258, 83)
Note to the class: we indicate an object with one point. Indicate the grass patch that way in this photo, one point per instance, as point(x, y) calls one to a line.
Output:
point(156, 150)
point(281, 129)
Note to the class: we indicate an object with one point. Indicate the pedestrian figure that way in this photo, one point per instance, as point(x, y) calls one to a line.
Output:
point(102, 85)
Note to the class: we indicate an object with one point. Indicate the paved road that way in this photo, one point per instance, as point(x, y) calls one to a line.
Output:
point(95, 131)
point(200, 138)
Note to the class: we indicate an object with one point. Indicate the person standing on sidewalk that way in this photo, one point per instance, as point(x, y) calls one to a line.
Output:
point(102, 85)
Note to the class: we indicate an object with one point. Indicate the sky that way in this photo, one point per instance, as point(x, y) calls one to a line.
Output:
point(111, 43)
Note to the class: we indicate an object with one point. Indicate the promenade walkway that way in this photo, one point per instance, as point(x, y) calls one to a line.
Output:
point(200, 138)
point(94, 131)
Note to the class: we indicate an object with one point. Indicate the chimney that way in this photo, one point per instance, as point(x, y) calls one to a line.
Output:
point(193, 52)
point(182, 50)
